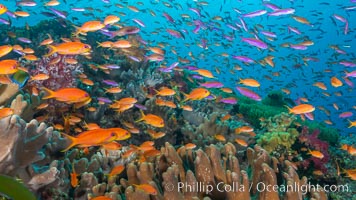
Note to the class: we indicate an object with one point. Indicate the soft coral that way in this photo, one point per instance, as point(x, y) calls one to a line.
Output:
point(313, 142)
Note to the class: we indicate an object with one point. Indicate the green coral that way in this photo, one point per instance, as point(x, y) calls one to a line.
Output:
point(254, 111)
point(275, 98)
point(270, 141)
point(278, 134)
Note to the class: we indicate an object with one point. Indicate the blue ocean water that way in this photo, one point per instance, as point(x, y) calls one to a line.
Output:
point(294, 73)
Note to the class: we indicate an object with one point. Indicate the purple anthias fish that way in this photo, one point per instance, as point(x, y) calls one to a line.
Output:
point(170, 68)
point(351, 74)
point(347, 63)
point(231, 101)
point(269, 34)
point(112, 66)
point(244, 26)
point(190, 67)
point(248, 93)
point(286, 11)
point(255, 42)
point(78, 9)
point(134, 58)
point(140, 106)
point(340, 18)
point(4, 21)
point(174, 33)
point(298, 47)
point(104, 99)
point(139, 22)
point(196, 76)
point(271, 6)
point(59, 13)
point(127, 30)
point(26, 3)
point(11, 14)
point(255, 13)
point(24, 40)
point(348, 82)
point(346, 115)
point(294, 30)
point(231, 26)
point(168, 17)
point(110, 82)
point(212, 84)
point(195, 10)
point(196, 29)
point(244, 59)
point(309, 116)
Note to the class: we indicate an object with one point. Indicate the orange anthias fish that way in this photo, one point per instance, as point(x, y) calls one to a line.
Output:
point(101, 198)
point(67, 95)
point(74, 178)
point(3, 9)
point(197, 94)
point(316, 154)
point(8, 67)
point(97, 137)
point(152, 120)
point(147, 188)
point(249, 82)
point(116, 170)
point(111, 19)
point(165, 92)
point(5, 112)
point(301, 109)
point(205, 73)
point(70, 48)
point(4, 50)
point(335, 82)
point(90, 26)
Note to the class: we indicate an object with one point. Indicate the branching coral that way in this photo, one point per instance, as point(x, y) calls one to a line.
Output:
point(7, 92)
point(21, 143)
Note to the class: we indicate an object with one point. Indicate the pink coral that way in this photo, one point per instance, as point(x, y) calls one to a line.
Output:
point(314, 143)
point(62, 74)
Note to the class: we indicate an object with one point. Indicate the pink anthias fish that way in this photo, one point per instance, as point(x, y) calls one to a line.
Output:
point(285, 11)
point(212, 84)
point(347, 64)
point(345, 114)
point(244, 59)
point(248, 93)
point(255, 13)
point(229, 100)
point(255, 42)
point(351, 74)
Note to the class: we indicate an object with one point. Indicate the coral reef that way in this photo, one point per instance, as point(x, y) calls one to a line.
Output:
point(279, 136)
point(255, 111)
point(21, 143)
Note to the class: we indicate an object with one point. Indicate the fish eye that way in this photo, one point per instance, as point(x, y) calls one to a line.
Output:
point(86, 95)
point(87, 46)
point(113, 134)
point(1, 6)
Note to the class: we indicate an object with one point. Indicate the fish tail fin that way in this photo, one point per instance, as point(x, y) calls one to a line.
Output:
point(143, 116)
point(52, 50)
point(156, 91)
point(186, 97)
point(99, 44)
point(73, 140)
point(48, 93)
point(289, 109)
